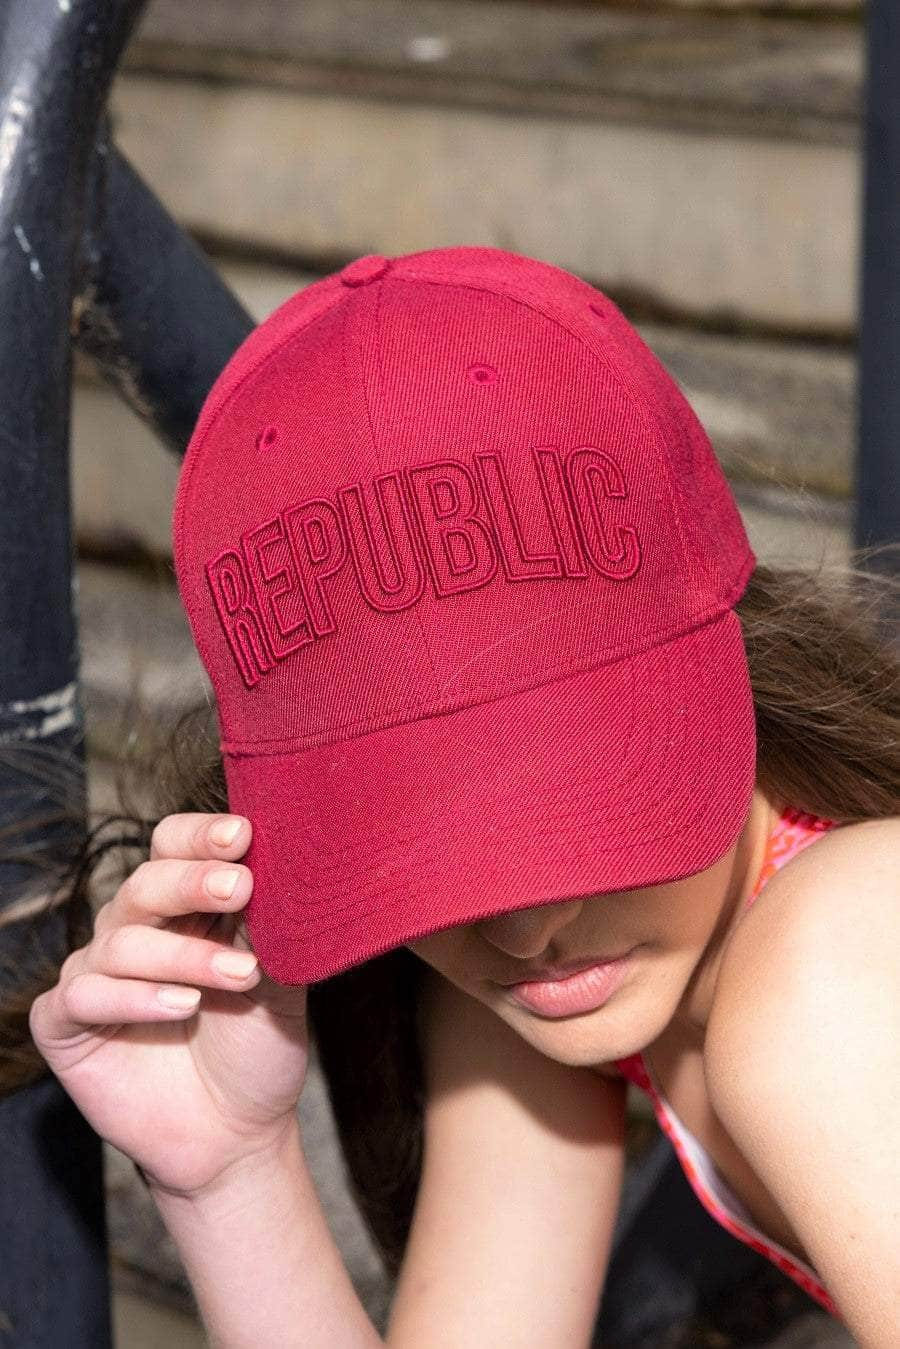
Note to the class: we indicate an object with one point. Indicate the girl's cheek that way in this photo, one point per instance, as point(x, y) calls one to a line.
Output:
point(445, 954)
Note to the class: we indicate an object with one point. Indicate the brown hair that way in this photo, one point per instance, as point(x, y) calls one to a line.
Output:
point(824, 665)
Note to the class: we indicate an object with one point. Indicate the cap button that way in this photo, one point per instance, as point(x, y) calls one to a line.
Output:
point(361, 271)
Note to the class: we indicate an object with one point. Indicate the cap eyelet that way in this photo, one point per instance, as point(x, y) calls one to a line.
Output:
point(482, 374)
point(267, 438)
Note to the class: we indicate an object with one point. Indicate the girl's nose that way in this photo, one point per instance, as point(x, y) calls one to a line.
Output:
point(525, 933)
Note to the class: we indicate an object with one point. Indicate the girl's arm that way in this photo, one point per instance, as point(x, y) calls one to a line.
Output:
point(521, 1185)
point(262, 1261)
point(524, 1160)
point(803, 1062)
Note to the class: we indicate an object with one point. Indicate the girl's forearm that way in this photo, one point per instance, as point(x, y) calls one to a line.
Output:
point(262, 1261)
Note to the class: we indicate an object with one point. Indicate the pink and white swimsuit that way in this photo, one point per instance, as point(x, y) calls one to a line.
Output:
point(793, 832)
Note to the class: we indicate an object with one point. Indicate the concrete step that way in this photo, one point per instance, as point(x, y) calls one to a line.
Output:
point(140, 1322)
point(807, 8)
point(776, 75)
point(779, 413)
point(704, 164)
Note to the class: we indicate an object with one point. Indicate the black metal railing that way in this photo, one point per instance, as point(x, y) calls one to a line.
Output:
point(877, 485)
point(80, 235)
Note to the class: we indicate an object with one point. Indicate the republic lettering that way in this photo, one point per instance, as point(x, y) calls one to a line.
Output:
point(455, 526)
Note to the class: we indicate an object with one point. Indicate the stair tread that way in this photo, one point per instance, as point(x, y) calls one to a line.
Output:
point(752, 73)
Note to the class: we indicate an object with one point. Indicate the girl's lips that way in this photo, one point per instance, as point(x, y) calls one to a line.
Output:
point(561, 971)
point(580, 992)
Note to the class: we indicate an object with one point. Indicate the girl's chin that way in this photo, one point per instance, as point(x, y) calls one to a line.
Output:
point(622, 1026)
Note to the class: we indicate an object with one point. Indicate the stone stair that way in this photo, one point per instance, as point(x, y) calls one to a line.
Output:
point(700, 165)
point(780, 415)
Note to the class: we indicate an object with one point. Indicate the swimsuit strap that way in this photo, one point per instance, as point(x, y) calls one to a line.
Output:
point(793, 831)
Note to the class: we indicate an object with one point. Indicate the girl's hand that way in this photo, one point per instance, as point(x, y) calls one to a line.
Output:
point(185, 1093)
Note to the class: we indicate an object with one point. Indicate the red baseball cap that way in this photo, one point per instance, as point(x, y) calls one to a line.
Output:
point(460, 563)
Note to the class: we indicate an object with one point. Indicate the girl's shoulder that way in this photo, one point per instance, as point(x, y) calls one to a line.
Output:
point(818, 878)
point(822, 927)
point(800, 1058)
point(805, 893)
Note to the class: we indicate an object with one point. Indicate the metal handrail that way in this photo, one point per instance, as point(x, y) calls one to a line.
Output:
point(79, 236)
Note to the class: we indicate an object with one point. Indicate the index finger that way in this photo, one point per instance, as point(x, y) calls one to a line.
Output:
point(197, 834)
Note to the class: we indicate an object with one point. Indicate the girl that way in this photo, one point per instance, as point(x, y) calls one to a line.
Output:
point(541, 783)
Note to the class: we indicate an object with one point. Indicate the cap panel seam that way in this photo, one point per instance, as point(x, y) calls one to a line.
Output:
point(528, 298)
point(190, 464)
point(413, 518)
point(190, 461)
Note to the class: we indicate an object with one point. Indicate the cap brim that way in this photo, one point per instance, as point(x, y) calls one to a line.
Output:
point(629, 774)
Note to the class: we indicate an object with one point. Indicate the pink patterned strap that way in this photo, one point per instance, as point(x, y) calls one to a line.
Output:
point(793, 831)
point(716, 1196)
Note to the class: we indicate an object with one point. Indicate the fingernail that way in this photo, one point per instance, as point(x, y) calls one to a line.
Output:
point(222, 883)
point(234, 963)
point(225, 832)
point(178, 997)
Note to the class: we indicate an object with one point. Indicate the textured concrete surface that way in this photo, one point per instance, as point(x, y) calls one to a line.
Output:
point(643, 62)
point(702, 223)
point(776, 412)
point(140, 1323)
point(706, 162)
